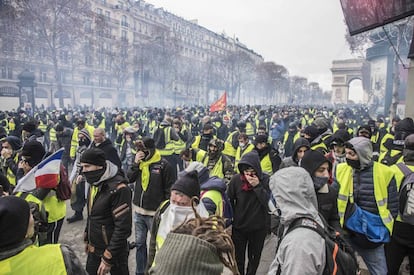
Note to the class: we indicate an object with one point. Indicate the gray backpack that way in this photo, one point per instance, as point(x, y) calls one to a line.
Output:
point(406, 197)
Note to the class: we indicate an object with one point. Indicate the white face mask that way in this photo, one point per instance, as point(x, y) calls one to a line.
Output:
point(179, 214)
point(242, 144)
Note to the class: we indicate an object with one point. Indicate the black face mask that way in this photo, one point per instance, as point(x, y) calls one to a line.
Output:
point(84, 142)
point(356, 164)
point(92, 177)
point(318, 182)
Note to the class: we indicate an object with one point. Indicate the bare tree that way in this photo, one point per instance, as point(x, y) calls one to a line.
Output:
point(272, 79)
point(53, 27)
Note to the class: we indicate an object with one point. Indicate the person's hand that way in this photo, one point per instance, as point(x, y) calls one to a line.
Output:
point(6, 153)
point(139, 157)
point(103, 268)
point(79, 179)
point(252, 179)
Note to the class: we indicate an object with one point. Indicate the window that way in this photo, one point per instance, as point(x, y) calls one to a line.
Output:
point(43, 76)
point(87, 79)
point(8, 46)
point(100, 81)
point(123, 35)
point(124, 21)
point(88, 60)
point(6, 72)
point(107, 14)
point(64, 56)
point(62, 76)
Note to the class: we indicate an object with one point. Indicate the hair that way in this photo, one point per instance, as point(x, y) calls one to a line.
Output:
point(212, 230)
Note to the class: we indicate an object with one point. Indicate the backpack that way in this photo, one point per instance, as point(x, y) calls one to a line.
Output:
point(159, 138)
point(64, 188)
point(389, 160)
point(406, 196)
point(340, 257)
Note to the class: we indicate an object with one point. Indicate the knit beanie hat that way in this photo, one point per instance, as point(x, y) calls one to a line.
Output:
point(94, 156)
point(14, 220)
point(29, 126)
point(186, 255)
point(312, 160)
point(34, 152)
point(148, 142)
point(85, 133)
point(14, 142)
point(311, 131)
point(403, 128)
point(365, 128)
point(188, 184)
point(202, 171)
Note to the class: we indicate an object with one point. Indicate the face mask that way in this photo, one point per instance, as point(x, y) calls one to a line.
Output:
point(318, 182)
point(354, 163)
point(93, 177)
point(180, 213)
point(242, 144)
point(84, 142)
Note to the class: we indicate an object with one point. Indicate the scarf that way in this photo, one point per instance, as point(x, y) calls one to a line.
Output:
point(144, 167)
point(245, 184)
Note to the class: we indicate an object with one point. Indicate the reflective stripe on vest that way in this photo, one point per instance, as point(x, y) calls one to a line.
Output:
point(382, 176)
point(168, 150)
point(46, 259)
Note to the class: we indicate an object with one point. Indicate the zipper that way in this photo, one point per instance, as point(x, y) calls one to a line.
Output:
point(105, 237)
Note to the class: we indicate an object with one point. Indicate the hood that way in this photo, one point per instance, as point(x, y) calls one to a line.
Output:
point(252, 159)
point(214, 183)
point(295, 194)
point(300, 142)
point(110, 171)
point(363, 148)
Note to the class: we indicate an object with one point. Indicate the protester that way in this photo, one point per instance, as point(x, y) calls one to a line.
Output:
point(17, 253)
point(109, 215)
point(175, 211)
point(249, 195)
point(318, 167)
point(302, 251)
point(366, 188)
point(153, 177)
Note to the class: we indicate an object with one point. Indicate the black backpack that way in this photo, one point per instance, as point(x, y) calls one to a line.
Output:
point(340, 257)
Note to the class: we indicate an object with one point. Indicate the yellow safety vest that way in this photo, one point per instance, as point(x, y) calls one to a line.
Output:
point(399, 177)
point(52, 135)
point(196, 143)
point(217, 169)
point(179, 145)
point(46, 259)
point(229, 150)
point(239, 155)
point(382, 177)
point(216, 197)
point(75, 142)
point(266, 165)
point(9, 174)
point(168, 150)
point(249, 129)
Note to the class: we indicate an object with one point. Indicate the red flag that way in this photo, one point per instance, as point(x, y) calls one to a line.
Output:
point(220, 104)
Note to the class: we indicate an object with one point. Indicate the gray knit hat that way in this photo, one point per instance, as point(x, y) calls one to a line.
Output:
point(186, 255)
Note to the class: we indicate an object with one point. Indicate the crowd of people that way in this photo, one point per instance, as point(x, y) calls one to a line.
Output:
point(208, 186)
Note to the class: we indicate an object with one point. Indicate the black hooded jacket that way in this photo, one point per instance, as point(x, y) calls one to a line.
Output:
point(250, 207)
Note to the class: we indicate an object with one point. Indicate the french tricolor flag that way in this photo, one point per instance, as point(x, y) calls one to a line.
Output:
point(44, 175)
point(47, 172)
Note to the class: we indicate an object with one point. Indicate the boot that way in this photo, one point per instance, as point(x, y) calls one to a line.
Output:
point(78, 216)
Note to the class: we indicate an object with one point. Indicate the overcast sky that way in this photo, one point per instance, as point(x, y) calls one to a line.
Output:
point(302, 35)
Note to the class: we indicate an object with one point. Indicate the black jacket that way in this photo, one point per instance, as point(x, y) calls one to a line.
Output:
point(158, 190)
point(250, 208)
point(110, 218)
point(110, 152)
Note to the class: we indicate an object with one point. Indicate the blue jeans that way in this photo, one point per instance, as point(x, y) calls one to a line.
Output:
point(142, 226)
point(374, 258)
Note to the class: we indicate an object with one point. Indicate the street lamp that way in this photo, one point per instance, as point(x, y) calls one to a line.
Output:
point(26, 86)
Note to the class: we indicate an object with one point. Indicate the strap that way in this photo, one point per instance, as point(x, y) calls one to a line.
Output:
point(306, 223)
point(406, 171)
